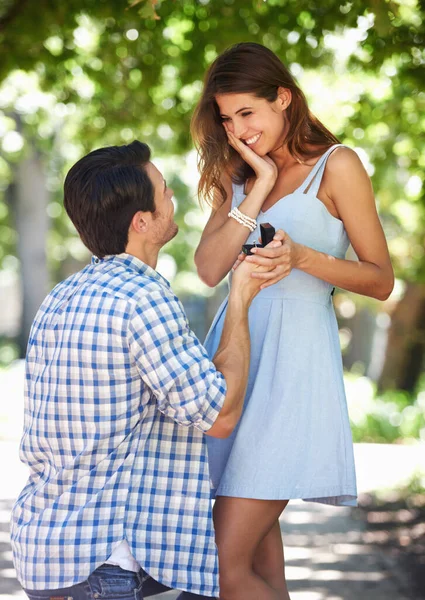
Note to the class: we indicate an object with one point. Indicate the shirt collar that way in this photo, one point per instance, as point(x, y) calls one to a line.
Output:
point(133, 263)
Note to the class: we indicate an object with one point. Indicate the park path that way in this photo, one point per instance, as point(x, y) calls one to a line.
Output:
point(326, 549)
point(327, 555)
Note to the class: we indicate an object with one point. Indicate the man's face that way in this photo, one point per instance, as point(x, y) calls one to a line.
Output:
point(163, 226)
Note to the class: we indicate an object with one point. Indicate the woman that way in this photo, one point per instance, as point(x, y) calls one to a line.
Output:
point(265, 158)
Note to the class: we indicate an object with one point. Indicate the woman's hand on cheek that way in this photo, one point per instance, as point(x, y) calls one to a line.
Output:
point(282, 252)
point(264, 167)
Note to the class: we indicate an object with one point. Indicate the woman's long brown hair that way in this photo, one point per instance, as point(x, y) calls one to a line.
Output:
point(254, 69)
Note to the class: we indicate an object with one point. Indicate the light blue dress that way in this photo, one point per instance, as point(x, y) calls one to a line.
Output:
point(293, 439)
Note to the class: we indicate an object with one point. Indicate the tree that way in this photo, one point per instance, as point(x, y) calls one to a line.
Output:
point(112, 72)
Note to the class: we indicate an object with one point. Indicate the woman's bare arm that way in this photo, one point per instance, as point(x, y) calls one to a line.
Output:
point(223, 236)
point(349, 189)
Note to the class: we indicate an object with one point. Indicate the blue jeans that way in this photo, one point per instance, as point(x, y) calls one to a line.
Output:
point(110, 582)
point(189, 596)
point(107, 582)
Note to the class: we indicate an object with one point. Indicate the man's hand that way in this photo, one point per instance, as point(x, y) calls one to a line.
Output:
point(276, 243)
point(281, 255)
point(243, 282)
point(281, 258)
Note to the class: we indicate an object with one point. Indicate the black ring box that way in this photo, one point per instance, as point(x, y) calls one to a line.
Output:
point(267, 232)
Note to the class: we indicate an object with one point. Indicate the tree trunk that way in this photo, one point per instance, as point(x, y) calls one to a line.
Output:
point(31, 198)
point(405, 352)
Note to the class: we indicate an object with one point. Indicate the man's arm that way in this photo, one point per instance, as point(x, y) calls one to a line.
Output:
point(172, 362)
point(232, 360)
point(189, 388)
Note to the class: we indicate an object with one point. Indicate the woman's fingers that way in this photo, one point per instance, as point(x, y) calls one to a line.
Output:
point(280, 236)
point(263, 168)
point(260, 260)
point(267, 252)
point(242, 148)
point(274, 275)
point(274, 244)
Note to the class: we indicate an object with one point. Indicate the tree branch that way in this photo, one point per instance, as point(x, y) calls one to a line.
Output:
point(13, 12)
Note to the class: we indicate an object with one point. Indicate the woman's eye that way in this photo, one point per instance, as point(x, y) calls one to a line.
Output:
point(246, 114)
point(224, 119)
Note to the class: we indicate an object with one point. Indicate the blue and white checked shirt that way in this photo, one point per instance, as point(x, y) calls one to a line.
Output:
point(115, 380)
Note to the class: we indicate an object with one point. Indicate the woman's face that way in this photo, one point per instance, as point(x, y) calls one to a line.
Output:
point(260, 124)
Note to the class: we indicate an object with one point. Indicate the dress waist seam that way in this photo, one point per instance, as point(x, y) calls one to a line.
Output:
point(326, 301)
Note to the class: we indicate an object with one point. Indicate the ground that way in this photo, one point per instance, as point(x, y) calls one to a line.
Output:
point(330, 552)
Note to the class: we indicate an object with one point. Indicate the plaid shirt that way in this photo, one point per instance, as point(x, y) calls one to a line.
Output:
point(118, 394)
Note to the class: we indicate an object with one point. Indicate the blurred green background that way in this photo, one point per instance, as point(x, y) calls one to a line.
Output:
point(78, 75)
point(81, 74)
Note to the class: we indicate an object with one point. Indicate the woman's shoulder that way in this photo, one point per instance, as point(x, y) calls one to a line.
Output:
point(344, 170)
point(343, 159)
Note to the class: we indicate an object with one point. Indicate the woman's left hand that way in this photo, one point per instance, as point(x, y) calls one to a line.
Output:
point(284, 256)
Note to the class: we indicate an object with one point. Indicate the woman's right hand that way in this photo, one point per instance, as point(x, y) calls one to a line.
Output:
point(264, 167)
point(242, 280)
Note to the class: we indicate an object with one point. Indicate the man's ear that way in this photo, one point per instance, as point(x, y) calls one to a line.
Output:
point(285, 97)
point(140, 222)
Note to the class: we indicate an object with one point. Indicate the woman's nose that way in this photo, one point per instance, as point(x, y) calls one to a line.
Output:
point(237, 128)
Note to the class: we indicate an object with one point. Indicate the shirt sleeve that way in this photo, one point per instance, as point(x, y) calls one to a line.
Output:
point(173, 363)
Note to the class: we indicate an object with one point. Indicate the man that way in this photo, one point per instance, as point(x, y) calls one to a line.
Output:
point(119, 394)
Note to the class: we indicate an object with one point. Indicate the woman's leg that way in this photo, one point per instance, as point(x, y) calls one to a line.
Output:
point(269, 560)
point(241, 525)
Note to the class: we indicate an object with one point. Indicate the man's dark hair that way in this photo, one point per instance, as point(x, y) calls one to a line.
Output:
point(104, 190)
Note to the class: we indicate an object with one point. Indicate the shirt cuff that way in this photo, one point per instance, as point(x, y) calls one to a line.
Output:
point(213, 403)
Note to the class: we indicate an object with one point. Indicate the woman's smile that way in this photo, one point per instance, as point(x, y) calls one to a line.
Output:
point(252, 140)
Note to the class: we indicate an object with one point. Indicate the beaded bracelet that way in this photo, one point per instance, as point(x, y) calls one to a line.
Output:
point(243, 219)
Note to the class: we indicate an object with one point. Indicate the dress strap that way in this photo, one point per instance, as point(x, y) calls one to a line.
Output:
point(314, 178)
